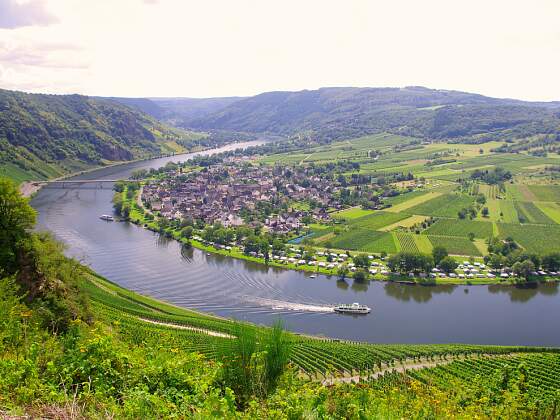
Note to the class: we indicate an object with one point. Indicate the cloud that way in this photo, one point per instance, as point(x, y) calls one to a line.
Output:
point(15, 14)
point(42, 54)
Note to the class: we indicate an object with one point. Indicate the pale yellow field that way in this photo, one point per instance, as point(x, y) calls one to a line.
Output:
point(413, 202)
point(552, 210)
point(423, 243)
point(406, 223)
point(481, 246)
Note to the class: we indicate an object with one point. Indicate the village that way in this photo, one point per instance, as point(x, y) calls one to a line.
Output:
point(280, 199)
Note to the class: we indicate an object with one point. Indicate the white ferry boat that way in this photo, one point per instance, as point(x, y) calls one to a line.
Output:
point(354, 308)
point(106, 217)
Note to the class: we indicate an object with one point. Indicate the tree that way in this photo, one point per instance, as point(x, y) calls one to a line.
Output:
point(342, 271)
point(406, 262)
point(278, 246)
point(361, 261)
point(360, 275)
point(187, 232)
point(17, 218)
point(471, 236)
point(439, 253)
point(448, 264)
point(485, 212)
point(496, 261)
point(551, 261)
point(524, 268)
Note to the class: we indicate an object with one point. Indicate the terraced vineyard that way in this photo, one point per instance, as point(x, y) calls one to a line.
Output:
point(541, 373)
point(150, 322)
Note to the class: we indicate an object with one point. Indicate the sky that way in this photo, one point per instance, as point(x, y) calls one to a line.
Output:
point(209, 48)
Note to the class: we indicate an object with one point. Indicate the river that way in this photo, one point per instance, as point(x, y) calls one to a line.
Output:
point(143, 261)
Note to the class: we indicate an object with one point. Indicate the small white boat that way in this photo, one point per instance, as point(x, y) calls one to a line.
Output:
point(354, 308)
point(312, 276)
point(107, 217)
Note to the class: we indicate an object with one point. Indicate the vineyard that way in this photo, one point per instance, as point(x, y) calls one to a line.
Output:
point(365, 240)
point(455, 245)
point(508, 212)
point(149, 322)
point(447, 205)
point(546, 192)
point(541, 373)
point(407, 243)
point(534, 238)
point(529, 213)
point(377, 220)
point(449, 227)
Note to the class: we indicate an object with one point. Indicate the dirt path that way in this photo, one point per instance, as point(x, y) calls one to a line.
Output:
point(306, 157)
point(408, 364)
point(400, 368)
point(186, 327)
point(27, 189)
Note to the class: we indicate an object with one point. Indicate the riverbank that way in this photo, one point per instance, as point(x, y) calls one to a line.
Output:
point(30, 188)
point(138, 215)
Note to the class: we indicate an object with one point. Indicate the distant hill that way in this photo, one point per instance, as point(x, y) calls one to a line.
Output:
point(180, 112)
point(330, 113)
point(44, 136)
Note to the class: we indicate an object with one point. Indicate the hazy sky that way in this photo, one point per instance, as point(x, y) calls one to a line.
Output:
point(202, 48)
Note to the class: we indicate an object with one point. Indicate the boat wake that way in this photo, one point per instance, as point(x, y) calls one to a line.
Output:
point(281, 305)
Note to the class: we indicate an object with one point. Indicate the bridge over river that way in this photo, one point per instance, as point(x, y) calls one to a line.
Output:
point(74, 183)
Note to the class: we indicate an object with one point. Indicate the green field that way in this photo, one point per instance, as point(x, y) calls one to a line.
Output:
point(366, 240)
point(447, 205)
point(423, 244)
point(449, 227)
point(455, 245)
point(546, 192)
point(413, 201)
point(509, 213)
point(552, 210)
point(377, 220)
point(530, 213)
point(352, 213)
point(541, 239)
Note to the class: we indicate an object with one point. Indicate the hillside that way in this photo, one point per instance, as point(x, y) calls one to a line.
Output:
point(331, 113)
point(180, 112)
point(43, 136)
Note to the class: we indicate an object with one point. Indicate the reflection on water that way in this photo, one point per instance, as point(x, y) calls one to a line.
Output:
point(417, 293)
point(360, 286)
point(342, 284)
point(161, 267)
point(525, 292)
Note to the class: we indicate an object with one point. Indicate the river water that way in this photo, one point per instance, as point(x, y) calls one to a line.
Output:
point(143, 261)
